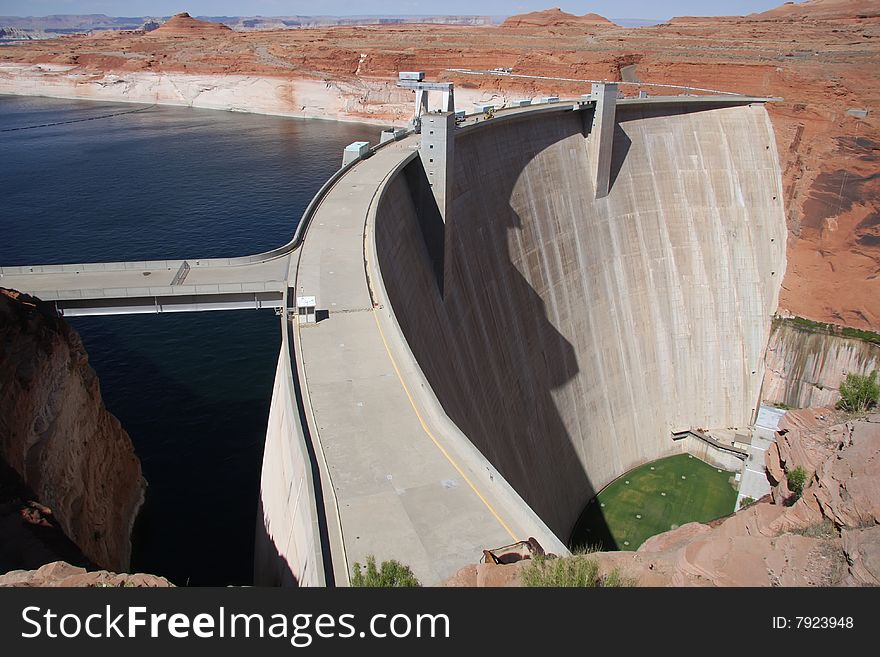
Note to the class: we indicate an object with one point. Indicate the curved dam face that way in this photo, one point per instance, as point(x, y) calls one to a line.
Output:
point(567, 335)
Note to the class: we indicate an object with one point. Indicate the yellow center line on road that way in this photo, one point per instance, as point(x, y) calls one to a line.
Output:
point(434, 439)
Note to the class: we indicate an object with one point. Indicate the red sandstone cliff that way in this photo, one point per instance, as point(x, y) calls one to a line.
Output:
point(62, 575)
point(805, 368)
point(57, 435)
point(555, 18)
point(823, 9)
point(183, 24)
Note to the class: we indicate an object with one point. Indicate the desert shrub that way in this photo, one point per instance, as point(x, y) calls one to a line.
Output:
point(796, 480)
point(824, 529)
point(575, 571)
point(390, 574)
point(859, 392)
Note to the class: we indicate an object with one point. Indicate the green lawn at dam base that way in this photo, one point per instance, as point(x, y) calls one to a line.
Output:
point(652, 499)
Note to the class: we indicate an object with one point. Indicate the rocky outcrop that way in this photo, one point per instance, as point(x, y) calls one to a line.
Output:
point(844, 465)
point(862, 548)
point(830, 536)
point(818, 9)
point(19, 34)
point(183, 24)
point(30, 535)
point(805, 368)
point(555, 18)
point(62, 575)
point(57, 435)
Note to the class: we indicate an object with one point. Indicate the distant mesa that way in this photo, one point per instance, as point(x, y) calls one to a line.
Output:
point(816, 9)
point(184, 24)
point(824, 9)
point(555, 18)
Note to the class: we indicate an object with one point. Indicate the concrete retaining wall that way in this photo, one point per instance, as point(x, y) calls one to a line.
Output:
point(288, 545)
point(711, 454)
point(572, 333)
point(806, 368)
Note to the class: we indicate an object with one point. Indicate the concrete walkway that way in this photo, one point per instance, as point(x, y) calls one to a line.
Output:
point(754, 481)
point(138, 278)
point(400, 489)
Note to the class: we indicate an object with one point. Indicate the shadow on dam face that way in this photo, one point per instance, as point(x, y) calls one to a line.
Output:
point(267, 558)
point(511, 357)
point(571, 333)
point(428, 215)
point(619, 151)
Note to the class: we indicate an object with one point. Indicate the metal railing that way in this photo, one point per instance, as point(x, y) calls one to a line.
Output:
point(161, 291)
point(181, 274)
point(660, 85)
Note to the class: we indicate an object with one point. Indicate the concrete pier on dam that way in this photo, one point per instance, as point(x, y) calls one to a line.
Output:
point(565, 330)
point(513, 311)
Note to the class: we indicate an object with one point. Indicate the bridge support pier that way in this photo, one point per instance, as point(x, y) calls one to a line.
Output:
point(437, 152)
point(422, 87)
point(601, 137)
point(421, 102)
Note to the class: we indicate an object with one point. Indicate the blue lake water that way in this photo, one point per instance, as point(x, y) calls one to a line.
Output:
point(192, 389)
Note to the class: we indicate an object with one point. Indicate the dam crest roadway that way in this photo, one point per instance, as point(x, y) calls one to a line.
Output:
point(512, 312)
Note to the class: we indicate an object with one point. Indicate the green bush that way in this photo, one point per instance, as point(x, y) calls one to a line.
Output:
point(389, 574)
point(796, 480)
point(859, 392)
point(575, 571)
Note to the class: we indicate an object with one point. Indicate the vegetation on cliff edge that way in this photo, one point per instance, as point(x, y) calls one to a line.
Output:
point(579, 570)
point(390, 574)
point(859, 392)
point(829, 329)
point(797, 478)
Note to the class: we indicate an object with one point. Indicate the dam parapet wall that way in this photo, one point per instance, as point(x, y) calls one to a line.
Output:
point(571, 333)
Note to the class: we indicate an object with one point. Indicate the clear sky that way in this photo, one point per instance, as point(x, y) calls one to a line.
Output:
point(608, 8)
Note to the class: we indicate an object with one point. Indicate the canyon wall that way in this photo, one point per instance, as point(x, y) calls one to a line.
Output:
point(60, 574)
point(370, 102)
point(572, 334)
point(805, 368)
point(373, 101)
point(57, 434)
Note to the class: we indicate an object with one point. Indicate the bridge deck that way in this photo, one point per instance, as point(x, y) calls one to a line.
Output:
point(100, 288)
point(402, 490)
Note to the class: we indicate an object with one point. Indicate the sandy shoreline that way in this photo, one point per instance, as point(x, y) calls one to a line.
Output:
point(376, 103)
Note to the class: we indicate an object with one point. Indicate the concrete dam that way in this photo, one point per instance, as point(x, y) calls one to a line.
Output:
point(513, 310)
point(571, 334)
